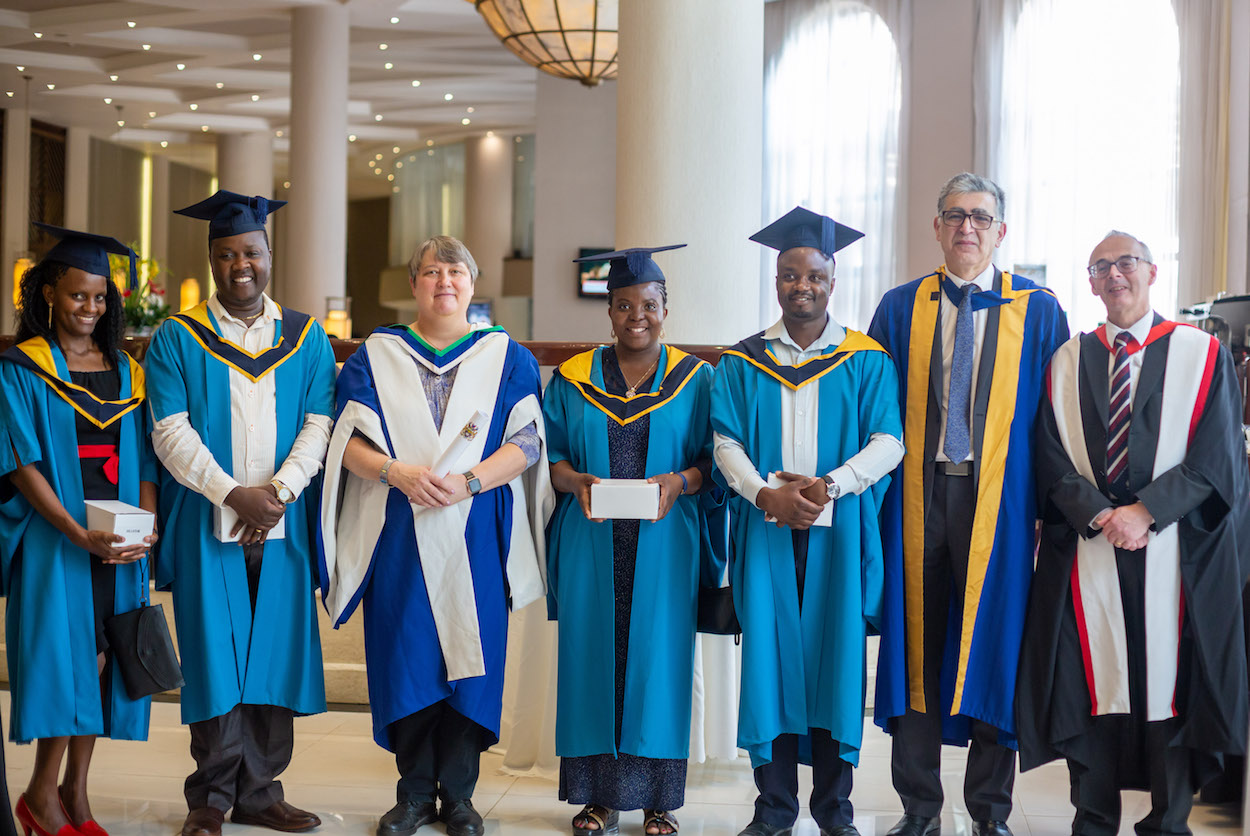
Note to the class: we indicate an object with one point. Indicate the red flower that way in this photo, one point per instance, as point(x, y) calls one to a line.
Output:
point(159, 291)
point(126, 293)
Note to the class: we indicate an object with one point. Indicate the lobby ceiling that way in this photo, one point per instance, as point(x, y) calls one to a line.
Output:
point(188, 69)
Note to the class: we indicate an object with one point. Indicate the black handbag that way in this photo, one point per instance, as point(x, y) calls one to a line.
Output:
point(716, 613)
point(143, 649)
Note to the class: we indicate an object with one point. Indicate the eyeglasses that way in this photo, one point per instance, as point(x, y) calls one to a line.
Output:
point(1125, 264)
point(955, 218)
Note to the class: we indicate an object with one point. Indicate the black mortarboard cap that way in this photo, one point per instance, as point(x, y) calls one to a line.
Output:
point(804, 228)
point(229, 214)
point(632, 266)
point(87, 251)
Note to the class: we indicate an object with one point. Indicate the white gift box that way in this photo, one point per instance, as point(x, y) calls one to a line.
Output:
point(825, 520)
point(624, 499)
point(120, 518)
point(224, 518)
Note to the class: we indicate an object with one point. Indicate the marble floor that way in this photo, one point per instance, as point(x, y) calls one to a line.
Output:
point(341, 774)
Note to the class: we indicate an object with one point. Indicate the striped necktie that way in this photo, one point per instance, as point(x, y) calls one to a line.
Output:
point(1120, 411)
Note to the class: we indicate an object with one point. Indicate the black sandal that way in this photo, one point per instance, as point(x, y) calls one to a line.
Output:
point(661, 819)
point(608, 821)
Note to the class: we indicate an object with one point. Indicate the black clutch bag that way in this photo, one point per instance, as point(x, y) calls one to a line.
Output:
point(716, 611)
point(143, 649)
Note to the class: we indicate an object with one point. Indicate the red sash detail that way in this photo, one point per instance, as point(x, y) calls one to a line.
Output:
point(102, 451)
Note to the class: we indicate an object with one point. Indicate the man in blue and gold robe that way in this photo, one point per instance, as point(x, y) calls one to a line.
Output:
point(971, 344)
point(241, 392)
point(806, 423)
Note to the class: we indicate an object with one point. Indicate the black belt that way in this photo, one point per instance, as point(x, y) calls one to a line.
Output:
point(956, 468)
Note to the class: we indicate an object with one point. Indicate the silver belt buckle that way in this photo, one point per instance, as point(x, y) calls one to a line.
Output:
point(957, 468)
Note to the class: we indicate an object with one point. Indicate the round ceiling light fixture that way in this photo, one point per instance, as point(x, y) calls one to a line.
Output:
point(567, 38)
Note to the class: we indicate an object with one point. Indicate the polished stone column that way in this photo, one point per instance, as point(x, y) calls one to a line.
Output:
point(161, 212)
point(689, 156)
point(314, 249)
point(488, 208)
point(77, 177)
point(15, 232)
point(245, 163)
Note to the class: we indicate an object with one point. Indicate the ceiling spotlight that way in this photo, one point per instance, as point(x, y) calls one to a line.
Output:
point(286, 184)
point(182, 66)
point(278, 133)
point(377, 117)
point(8, 93)
point(416, 83)
point(428, 143)
point(113, 77)
point(448, 97)
point(20, 68)
point(108, 101)
point(146, 47)
point(351, 137)
point(38, 34)
point(388, 65)
point(151, 114)
point(517, 140)
point(394, 20)
point(51, 86)
point(399, 163)
point(395, 189)
point(255, 97)
point(468, 110)
point(490, 134)
point(383, 47)
point(131, 24)
point(204, 128)
point(220, 84)
point(195, 107)
point(395, 149)
point(164, 143)
point(465, 121)
point(377, 156)
point(390, 177)
point(256, 56)
point(430, 153)
point(412, 159)
point(377, 171)
point(121, 123)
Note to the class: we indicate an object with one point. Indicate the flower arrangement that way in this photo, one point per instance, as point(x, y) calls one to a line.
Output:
point(145, 306)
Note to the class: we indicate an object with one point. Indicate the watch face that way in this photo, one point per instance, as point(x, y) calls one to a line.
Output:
point(286, 494)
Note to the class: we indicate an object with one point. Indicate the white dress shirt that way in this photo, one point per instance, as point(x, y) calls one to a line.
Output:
point(1139, 330)
point(949, 312)
point(253, 425)
point(800, 427)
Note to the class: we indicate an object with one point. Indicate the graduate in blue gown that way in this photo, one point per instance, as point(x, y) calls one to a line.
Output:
point(241, 395)
point(625, 591)
point(436, 558)
point(814, 406)
point(73, 429)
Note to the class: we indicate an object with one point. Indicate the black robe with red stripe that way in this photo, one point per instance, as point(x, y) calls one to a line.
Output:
point(1207, 497)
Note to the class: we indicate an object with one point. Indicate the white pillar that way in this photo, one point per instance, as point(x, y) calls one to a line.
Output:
point(161, 211)
point(15, 233)
point(689, 156)
point(77, 177)
point(245, 163)
point(315, 246)
point(488, 208)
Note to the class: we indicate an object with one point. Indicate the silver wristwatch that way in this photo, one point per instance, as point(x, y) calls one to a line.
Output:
point(832, 488)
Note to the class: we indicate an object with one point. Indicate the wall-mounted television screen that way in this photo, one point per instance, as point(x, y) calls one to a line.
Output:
point(592, 276)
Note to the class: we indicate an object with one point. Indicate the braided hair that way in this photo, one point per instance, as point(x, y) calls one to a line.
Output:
point(34, 314)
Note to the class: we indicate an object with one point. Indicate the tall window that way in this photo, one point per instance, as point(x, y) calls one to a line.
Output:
point(832, 95)
point(427, 198)
point(1090, 141)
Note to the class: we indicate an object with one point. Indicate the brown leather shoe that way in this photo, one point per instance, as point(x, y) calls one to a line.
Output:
point(203, 821)
point(278, 816)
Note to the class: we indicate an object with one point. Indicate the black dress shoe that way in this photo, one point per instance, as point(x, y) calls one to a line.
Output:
point(763, 828)
point(405, 817)
point(990, 828)
point(461, 819)
point(910, 825)
point(278, 816)
point(840, 830)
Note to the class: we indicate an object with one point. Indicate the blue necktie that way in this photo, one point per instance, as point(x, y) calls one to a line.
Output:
point(957, 444)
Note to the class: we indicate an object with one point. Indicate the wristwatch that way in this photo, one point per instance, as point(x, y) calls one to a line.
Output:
point(832, 488)
point(285, 495)
point(474, 483)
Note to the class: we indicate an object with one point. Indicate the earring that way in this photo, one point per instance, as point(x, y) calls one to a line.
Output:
point(49, 318)
point(613, 335)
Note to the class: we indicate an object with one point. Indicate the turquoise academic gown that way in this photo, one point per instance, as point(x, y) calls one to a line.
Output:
point(672, 555)
point(803, 671)
point(49, 623)
point(230, 657)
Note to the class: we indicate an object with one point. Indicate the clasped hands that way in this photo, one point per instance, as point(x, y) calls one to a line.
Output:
point(795, 504)
point(1126, 527)
point(102, 544)
point(422, 487)
point(259, 510)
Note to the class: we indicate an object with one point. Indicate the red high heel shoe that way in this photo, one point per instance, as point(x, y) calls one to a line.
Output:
point(27, 819)
point(88, 828)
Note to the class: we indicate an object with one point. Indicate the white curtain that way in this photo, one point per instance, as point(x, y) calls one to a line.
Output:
point(427, 197)
point(833, 89)
point(1077, 107)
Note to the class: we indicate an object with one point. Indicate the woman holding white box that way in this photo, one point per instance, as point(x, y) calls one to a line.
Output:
point(625, 591)
point(74, 426)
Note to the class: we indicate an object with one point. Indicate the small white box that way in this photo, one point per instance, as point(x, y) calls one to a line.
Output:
point(120, 518)
point(225, 517)
point(624, 499)
point(825, 520)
